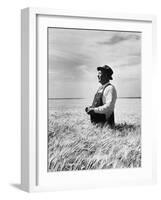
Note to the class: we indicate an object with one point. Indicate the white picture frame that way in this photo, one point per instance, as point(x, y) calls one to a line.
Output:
point(32, 78)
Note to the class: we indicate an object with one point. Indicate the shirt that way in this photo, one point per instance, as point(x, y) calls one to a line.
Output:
point(109, 99)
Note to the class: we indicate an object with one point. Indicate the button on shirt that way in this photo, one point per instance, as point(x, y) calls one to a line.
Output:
point(109, 98)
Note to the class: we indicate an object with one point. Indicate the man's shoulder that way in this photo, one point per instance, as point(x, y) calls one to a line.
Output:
point(109, 87)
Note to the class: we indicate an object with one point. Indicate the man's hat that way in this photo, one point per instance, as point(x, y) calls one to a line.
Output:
point(107, 70)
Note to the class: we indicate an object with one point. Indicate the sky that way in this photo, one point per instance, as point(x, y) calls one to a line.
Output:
point(75, 54)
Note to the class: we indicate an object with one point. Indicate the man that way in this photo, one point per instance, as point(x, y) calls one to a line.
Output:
point(102, 109)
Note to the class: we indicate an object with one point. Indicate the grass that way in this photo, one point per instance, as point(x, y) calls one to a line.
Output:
point(75, 144)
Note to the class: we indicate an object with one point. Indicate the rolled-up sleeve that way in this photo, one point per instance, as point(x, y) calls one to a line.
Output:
point(108, 98)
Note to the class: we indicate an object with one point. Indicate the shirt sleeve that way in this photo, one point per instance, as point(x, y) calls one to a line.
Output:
point(108, 98)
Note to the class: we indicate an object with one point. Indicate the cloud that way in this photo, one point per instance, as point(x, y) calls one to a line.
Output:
point(117, 38)
point(70, 57)
point(69, 66)
point(130, 61)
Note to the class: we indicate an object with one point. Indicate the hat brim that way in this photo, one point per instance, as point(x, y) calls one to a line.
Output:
point(100, 68)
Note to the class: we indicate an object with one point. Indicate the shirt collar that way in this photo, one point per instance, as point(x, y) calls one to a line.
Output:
point(102, 86)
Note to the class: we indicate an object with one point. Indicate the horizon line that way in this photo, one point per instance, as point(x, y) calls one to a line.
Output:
point(54, 98)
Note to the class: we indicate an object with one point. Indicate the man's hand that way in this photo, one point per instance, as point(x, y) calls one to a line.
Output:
point(89, 110)
point(86, 109)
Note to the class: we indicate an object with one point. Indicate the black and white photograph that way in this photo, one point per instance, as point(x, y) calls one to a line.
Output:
point(94, 99)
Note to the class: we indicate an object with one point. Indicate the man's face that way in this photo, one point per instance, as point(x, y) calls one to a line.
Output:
point(102, 77)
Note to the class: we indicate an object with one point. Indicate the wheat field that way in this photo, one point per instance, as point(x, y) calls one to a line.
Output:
point(75, 144)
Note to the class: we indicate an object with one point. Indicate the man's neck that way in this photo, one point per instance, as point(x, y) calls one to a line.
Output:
point(104, 83)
